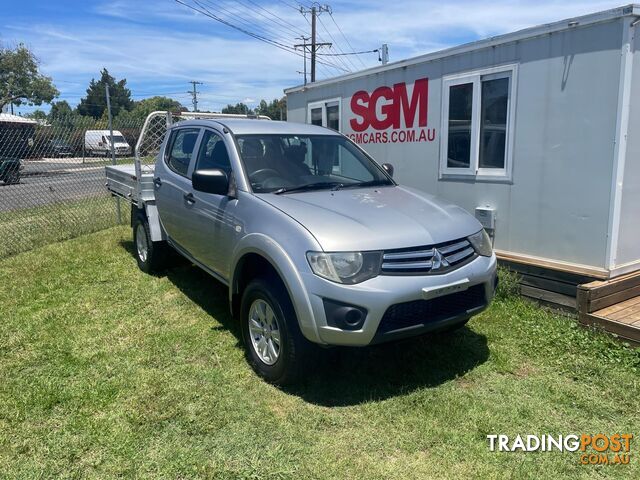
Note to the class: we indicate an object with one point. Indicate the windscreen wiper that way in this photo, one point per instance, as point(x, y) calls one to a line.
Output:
point(370, 183)
point(307, 187)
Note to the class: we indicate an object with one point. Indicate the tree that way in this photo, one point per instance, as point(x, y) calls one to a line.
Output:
point(20, 79)
point(95, 103)
point(239, 108)
point(144, 107)
point(276, 110)
point(60, 109)
point(37, 114)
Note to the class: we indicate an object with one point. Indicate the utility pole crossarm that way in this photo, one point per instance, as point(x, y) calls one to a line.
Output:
point(314, 11)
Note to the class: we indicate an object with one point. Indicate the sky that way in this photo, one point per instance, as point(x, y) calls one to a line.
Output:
point(160, 45)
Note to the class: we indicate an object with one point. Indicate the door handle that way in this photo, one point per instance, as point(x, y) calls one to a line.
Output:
point(157, 182)
point(189, 198)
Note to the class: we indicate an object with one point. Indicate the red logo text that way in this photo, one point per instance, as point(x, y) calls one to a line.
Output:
point(385, 107)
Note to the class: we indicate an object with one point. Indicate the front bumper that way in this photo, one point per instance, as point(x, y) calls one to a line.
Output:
point(378, 294)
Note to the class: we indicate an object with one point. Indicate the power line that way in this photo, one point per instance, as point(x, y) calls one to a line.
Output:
point(349, 53)
point(248, 24)
point(338, 47)
point(205, 11)
point(290, 5)
point(279, 21)
point(344, 36)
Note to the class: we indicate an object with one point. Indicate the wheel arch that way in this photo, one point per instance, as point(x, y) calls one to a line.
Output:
point(263, 256)
point(150, 212)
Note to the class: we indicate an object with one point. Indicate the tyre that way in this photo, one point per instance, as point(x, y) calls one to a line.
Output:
point(275, 346)
point(151, 256)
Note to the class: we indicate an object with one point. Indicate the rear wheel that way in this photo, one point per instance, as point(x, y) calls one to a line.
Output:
point(276, 348)
point(151, 256)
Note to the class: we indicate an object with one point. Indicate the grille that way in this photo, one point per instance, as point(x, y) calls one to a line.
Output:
point(429, 260)
point(423, 312)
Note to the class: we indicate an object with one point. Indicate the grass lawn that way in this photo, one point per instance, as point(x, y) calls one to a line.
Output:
point(107, 372)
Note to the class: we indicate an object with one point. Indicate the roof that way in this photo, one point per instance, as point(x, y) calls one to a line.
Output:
point(246, 126)
point(531, 32)
point(10, 118)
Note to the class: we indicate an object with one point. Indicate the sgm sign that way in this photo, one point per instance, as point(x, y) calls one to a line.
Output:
point(392, 114)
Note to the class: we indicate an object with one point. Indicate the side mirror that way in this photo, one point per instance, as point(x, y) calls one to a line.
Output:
point(388, 168)
point(213, 180)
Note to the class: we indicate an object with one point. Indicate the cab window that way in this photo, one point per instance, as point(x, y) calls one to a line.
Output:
point(182, 143)
point(213, 153)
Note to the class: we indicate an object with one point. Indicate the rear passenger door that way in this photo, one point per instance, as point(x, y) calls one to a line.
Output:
point(172, 186)
point(215, 214)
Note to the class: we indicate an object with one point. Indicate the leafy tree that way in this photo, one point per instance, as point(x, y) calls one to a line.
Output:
point(239, 108)
point(95, 103)
point(60, 109)
point(37, 114)
point(144, 107)
point(276, 110)
point(20, 79)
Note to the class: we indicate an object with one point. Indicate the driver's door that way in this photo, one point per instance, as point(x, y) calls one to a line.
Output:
point(215, 215)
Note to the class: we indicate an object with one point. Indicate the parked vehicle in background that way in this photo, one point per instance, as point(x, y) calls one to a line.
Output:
point(10, 170)
point(315, 240)
point(59, 148)
point(98, 142)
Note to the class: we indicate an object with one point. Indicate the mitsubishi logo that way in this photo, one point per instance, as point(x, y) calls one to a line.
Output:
point(438, 261)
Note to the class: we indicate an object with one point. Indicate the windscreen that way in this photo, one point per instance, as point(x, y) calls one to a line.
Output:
point(118, 139)
point(276, 163)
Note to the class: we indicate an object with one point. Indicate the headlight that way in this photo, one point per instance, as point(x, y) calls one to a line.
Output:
point(481, 243)
point(345, 267)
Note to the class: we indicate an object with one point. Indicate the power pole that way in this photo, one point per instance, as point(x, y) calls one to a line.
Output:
point(112, 147)
point(304, 50)
point(194, 94)
point(315, 11)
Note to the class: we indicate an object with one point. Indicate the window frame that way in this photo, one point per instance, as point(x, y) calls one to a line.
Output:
point(474, 172)
point(323, 104)
point(194, 153)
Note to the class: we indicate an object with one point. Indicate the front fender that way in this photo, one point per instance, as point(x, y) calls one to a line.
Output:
point(276, 255)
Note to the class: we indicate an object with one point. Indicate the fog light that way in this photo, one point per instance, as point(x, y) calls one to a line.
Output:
point(343, 315)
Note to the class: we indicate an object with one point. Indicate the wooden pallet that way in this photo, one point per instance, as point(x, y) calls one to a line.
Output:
point(613, 305)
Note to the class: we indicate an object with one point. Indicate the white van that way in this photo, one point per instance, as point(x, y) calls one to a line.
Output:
point(97, 142)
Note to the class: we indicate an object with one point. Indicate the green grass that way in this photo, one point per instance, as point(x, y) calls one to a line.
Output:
point(107, 372)
point(24, 229)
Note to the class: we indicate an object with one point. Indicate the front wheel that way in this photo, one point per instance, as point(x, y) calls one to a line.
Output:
point(150, 255)
point(276, 348)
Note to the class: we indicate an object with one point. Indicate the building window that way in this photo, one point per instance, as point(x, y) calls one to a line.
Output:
point(477, 119)
point(325, 113)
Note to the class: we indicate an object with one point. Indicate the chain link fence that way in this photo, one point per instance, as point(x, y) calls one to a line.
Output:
point(52, 180)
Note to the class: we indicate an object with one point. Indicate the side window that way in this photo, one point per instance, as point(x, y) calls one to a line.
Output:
point(478, 123)
point(213, 153)
point(182, 143)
